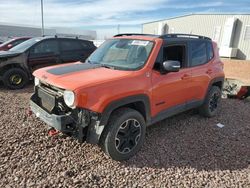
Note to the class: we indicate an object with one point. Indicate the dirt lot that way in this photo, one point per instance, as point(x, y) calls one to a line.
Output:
point(237, 69)
point(183, 151)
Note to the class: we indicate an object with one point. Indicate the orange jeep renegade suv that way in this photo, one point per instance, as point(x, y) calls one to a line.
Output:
point(130, 82)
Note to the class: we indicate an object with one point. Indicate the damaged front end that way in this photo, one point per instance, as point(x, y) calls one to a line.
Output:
point(48, 105)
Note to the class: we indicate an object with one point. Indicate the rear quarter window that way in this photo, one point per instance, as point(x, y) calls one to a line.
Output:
point(210, 50)
point(87, 44)
point(198, 53)
point(70, 45)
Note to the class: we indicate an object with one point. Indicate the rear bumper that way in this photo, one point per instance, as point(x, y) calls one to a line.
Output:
point(59, 122)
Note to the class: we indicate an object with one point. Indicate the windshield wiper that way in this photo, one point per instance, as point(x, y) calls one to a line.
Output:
point(91, 62)
point(107, 66)
point(101, 65)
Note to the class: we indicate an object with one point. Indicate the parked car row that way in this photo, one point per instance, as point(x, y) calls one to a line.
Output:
point(25, 55)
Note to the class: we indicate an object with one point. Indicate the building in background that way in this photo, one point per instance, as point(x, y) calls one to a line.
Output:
point(230, 31)
point(8, 31)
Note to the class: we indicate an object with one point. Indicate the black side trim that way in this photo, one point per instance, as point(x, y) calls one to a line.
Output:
point(71, 68)
point(175, 110)
point(218, 79)
point(125, 101)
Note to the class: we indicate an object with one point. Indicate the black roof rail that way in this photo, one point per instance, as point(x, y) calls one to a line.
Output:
point(183, 35)
point(165, 36)
point(131, 34)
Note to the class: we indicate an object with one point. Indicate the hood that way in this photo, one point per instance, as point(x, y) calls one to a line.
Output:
point(78, 75)
point(9, 53)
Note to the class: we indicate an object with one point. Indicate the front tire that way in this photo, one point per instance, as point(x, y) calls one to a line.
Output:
point(211, 104)
point(124, 134)
point(15, 78)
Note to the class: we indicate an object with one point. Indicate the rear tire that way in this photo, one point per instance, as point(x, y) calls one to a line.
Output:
point(15, 78)
point(211, 103)
point(124, 135)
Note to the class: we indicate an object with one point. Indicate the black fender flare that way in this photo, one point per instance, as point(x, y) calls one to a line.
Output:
point(97, 125)
point(217, 79)
point(125, 101)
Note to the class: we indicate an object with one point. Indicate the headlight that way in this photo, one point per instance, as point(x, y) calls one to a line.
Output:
point(37, 81)
point(69, 98)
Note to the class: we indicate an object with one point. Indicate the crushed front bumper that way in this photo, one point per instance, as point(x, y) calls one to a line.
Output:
point(81, 124)
point(59, 122)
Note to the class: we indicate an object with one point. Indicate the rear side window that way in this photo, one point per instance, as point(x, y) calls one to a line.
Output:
point(47, 46)
point(87, 44)
point(210, 51)
point(198, 53)
point(70, 45)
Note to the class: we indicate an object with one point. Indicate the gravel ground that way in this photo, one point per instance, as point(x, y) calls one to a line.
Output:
point(183, 151)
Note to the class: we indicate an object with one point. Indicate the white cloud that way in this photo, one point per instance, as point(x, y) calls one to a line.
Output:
point(91, 14)
point(81, 13)
point(108, 12)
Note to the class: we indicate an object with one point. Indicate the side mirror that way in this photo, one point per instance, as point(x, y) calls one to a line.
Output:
point(9, 46)
point(171, 66)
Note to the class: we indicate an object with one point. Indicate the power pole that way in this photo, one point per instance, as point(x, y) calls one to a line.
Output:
point(42, 17)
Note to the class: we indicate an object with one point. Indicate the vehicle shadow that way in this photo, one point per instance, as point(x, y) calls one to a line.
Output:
point(190, 141)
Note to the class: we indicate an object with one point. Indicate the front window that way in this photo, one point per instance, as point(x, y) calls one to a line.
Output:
point(124, 54)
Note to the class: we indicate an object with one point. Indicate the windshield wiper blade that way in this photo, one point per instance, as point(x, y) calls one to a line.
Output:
point(107, 66)
point(91, 62)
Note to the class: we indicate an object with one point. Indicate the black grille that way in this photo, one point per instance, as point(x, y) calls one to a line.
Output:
point(47, 100)
point(51, 99)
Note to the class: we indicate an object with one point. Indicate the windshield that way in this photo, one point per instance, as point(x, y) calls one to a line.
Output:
point(25, 45)
point(125, 54)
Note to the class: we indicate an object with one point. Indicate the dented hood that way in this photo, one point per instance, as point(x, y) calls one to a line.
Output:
point(78, 75)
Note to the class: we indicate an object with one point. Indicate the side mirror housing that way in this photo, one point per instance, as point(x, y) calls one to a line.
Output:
point(171, 66)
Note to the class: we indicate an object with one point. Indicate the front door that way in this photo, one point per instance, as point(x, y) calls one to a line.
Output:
point(171, 90)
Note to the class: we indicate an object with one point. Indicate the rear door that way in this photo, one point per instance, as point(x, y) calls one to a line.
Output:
point(200, 62)
point(71, 50)
point(44, 53)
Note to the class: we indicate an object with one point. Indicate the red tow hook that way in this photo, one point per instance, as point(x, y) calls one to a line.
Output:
point(52, 132)
point(29, 112)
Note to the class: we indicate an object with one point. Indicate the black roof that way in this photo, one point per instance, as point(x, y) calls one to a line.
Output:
point(59, 37)
point(167, 36)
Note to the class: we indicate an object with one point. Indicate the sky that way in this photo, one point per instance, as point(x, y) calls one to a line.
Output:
point(104, 16)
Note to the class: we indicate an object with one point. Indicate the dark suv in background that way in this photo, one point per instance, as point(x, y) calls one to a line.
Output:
point(17, 64)
point(5, 46)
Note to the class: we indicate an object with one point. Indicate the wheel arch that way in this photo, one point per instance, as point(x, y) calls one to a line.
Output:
point(11, 65)
point(141, 103)
point(218, 81)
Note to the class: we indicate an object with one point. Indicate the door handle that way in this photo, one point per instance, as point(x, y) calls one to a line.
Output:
point(209, 71)
point(185, 76)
